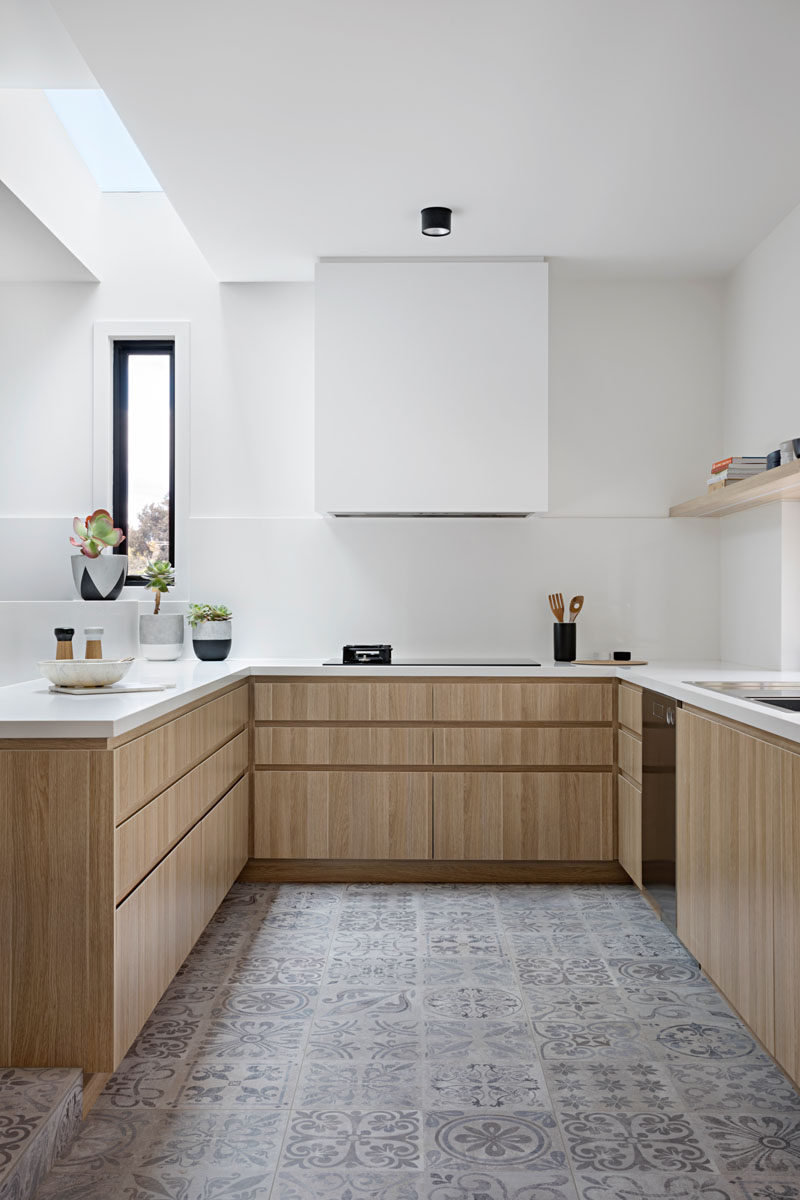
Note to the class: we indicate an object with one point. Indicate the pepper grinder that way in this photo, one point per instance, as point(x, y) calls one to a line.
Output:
point(64, 642)
point(94, 648)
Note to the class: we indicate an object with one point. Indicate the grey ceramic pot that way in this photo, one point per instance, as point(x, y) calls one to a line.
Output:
point(212, 640)
point(161, 636)
point(100, 578)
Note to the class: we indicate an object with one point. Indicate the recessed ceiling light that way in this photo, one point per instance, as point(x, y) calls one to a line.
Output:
point(436, 221)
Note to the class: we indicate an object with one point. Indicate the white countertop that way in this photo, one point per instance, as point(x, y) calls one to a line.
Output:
point(30, 710)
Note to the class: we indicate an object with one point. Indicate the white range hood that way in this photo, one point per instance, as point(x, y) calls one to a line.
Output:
point(431, 388)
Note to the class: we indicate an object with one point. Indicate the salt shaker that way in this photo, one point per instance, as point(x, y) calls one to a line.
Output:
point(94, 648)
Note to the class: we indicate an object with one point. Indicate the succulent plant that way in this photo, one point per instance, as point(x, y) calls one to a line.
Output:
point(160, 577)
point(198, 613)
point(95, 533)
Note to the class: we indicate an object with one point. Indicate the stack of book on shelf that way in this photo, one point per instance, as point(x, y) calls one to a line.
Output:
point(731, 470)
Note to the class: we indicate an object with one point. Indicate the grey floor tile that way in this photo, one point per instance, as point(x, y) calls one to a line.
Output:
point(463, 1085)
point(657, 1185)
point(612, 1087)
point(360, 1085)
point(481, 1003)
point(439, 1042)
point(513, 1140)
point(378, 1139)
point(599, 1141)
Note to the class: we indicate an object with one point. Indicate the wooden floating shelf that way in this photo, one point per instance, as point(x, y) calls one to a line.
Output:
point(781, 483)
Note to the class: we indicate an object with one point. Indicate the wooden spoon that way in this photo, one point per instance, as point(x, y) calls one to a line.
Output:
point(575, 606)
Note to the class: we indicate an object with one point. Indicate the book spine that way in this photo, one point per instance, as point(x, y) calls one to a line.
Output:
point(721, 465)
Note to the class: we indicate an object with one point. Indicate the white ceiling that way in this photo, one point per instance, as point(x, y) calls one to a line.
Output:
point(661, 135)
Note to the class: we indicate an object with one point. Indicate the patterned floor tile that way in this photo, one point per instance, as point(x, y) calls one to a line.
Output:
point(755, 1145)
point(612, 1087)
point(381, 1139)
point(439, 1042)
point(484, 1040)
point(485, 1085)
point(514, 1140)
point(656, 1185)
point(237, 1084)
point(634, 1141)
point(738, 1086)
point(363, 1085)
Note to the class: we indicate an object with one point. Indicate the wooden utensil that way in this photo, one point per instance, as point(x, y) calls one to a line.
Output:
point(556, 600)
point(575, 606)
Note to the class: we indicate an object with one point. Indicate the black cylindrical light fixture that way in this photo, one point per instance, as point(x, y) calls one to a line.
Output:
point(436, 221)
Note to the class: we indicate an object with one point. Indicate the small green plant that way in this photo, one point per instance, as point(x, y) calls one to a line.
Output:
point(95, 533)
point(160, 578)
point(198, 613)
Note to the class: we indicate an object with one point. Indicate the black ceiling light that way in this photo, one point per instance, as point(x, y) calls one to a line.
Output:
point(436, 221)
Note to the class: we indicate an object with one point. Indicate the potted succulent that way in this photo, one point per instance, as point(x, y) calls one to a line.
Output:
point(211, 631)
point(160, 634)
point(98, 577)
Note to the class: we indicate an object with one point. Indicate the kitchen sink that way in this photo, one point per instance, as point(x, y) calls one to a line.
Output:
point(777, 695)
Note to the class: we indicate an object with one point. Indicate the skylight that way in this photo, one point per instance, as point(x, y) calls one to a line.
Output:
point(102, 140)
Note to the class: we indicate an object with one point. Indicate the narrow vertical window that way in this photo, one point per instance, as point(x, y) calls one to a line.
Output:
point(144, 452)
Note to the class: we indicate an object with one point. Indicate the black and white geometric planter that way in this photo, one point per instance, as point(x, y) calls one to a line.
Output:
point(101, 578)
point(212, 640)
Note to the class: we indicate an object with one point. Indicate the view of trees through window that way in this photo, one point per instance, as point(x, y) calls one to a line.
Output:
point(143, 451)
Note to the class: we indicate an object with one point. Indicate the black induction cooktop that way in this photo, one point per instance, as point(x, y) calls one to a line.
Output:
point(438, 662)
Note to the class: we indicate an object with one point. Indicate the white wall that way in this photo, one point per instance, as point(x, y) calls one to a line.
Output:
point(635, 395)
point(761, 549)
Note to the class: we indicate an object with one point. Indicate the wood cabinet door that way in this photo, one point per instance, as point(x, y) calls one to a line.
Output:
point(521, 701)
point(787, 920)
point(729, 787)
point(545, 816)
point(630, 707)
point(342, 814)
point(629, 828)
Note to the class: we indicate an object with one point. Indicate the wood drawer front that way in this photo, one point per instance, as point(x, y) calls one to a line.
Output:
point(154, 761)
point(630, 755)
point(342, 814)
point(544, 816)
point(161, 920)
point(514, 702)
point(343, 700)
point(629, 828)
point(149, 834)
point(630, 707)
point(327, 745)
point(529, 746)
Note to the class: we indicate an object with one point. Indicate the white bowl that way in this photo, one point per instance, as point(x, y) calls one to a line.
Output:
point(85, 672)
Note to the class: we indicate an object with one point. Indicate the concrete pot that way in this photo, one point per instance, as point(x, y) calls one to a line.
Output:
point(212, 640)
point(100, 578)
point(161, 636)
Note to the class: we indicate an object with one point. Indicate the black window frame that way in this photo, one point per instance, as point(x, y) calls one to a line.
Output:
point(124, 349)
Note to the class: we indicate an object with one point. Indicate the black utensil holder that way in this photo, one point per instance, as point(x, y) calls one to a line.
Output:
point(564, 641)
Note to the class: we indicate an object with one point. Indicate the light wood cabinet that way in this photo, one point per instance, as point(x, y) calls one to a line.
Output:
point(728, 802)
point(787, 918)
point(342, 814)
point(630, 708)
point(342, 700)
point(144, 838)
point(535, 816)
point(156, 927)
point(329, 745)
point(81, 971)
point(629, 828)
point(521, 745)
point(629, 756)
point(520, 701)
point(148, 764)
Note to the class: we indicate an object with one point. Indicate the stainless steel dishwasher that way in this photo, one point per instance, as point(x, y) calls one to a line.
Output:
point(658, 802)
